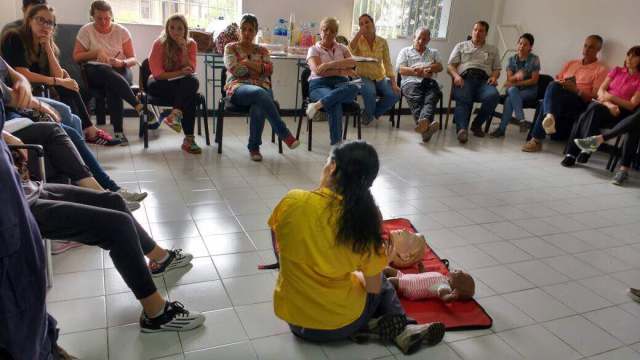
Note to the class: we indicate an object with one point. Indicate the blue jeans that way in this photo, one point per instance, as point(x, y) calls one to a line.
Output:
point(89, 159)
point(333, 92)
point(261, 105)
point(385, 302)
point(374, 107)
point(565, 106)
point(513, 103)
point(66, 116)
point(474, 90)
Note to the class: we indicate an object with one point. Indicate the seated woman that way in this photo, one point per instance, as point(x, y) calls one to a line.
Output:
point(249, 70)
point(31, 50)
point(173, 55)
point(330, 65)
point(106, 51)
point(618, 96)
point(378, 78)
point(523, 72)
point(330, 285)
point(64, 136)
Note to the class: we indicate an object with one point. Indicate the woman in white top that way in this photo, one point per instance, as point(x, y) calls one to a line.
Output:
point(106, 50)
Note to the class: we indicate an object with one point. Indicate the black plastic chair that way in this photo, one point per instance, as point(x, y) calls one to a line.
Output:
point(148, 99)
point(398, 112)
point(543, 81)
point(348, 110)
point(227, 108)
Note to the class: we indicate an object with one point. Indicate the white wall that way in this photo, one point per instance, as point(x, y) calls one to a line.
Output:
point(561, 26)
point(8, 10)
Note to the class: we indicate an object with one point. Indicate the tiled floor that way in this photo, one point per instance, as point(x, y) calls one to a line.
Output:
point(552, 249)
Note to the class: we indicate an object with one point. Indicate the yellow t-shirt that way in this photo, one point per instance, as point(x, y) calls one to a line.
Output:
point(316, 287)
point(380, 50)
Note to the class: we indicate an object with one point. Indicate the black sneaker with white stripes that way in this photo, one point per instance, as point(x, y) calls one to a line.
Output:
point(174, 318)
point(177, 259)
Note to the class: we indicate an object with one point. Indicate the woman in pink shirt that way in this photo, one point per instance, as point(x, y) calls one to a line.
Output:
point(172, 62)
point(618, 96)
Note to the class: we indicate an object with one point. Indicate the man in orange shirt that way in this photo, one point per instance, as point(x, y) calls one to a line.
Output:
point(567, 97)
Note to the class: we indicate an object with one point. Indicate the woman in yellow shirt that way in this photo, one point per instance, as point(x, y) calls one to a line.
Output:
point(378, 78)
point(330, 285)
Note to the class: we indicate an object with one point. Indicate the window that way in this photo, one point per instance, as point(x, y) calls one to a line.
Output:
point(400, 18)
point(199, 13)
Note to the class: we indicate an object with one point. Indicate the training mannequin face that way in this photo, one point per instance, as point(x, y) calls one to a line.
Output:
point(176, 30)
point(421, 40)
point(102, 20)
point(462, 284)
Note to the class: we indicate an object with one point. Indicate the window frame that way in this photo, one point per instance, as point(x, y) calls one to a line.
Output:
point(410, 36)
point(163, 20)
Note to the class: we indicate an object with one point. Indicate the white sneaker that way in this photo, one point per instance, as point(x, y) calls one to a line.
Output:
point(132, 196)
point(174, 318)
point(312, 109)
point(133, 206)
point(177, 259)
point(549, 124)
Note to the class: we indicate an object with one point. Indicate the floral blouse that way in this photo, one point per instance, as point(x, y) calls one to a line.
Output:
point(238, 74)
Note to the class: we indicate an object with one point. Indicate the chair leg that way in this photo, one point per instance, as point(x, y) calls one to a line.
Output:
point(346, 126)
point(487, 125)
point(219, 126)
point(441, 109)
point(273, 136)
point(360, 126)
point(301, 112)
point(279, 145)
point(446, 121)
point(309, 121)
point(206, 122)
point(199, 124)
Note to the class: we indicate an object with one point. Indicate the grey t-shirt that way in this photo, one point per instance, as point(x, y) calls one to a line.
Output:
point(409, 57)
point(468, 56)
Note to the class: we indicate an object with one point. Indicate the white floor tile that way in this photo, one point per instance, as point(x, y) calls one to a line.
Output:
point(195, 246)
point(250, 289)
point(221, 327)
point(350, 350)
point(286, 347)
point(618, 323)
point(538, 272)
point(79, 315)
point(201, 296)
point(504, 252)
point(572, 267)
point(259, 320)
point(240, 264)
point(618, 354)
point(507, 230)
point(238, 351)
point(539, 305)
point(537, 247)
point(577, 297)
point(84, 258)
point(229, 243)
point(127, 342)
point(502, 279)
point(504, 314)
point(77, 285)
point(582, 335)
point(487, 347)
point(89, 345)
point(529, 341)
point(607, 287)
point(200, 269)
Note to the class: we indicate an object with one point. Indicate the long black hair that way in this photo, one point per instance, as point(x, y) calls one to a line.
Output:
point(359, 221)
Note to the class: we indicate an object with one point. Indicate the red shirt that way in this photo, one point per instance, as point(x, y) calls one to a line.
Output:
point(156, 58)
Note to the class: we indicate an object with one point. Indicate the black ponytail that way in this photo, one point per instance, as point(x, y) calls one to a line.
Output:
point(359, 220)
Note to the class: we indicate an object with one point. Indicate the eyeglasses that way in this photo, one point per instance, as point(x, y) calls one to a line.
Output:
point(44, 22)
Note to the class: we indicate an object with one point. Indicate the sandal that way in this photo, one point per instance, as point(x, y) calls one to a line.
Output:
point(189, 145)
point(174, 120)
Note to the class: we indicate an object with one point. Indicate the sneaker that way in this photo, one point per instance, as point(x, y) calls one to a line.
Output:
point(497, 133)
point(549, 124)
point(103, 138)
point(177, 259)
point(533, 145)
point(122, 138)
point(189, 145)
point(588, 145)
point(174, 121)
point(255, 155)
point(413, 336)
point(431, 130)
point(153, 123)
point(174, 318)
point(291, 142)
point(133, 206)
point(477, 130)
point(421, 126)
point(634, 294)
point(132, 196)
point(312, 109)
point(463, 136)
point(388, 327)
point(620, 177)
point(60, 246)
point(583, 158)
point(568, 161)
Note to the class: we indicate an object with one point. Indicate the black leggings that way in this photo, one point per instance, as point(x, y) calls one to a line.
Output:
point(116, 84)
point(66, 212)
point(181, 93)
point(73, 100)
point(62, 159)
point(630, 125)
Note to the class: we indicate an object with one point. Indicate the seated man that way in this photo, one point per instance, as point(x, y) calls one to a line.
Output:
point(475, 69)
point(567, 97)
point(419, 66)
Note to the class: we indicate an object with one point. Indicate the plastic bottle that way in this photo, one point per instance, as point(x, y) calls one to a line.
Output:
point(266, 36)
point(281, 33)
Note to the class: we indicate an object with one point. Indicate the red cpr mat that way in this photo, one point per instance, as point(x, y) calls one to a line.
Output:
point(458, 315)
